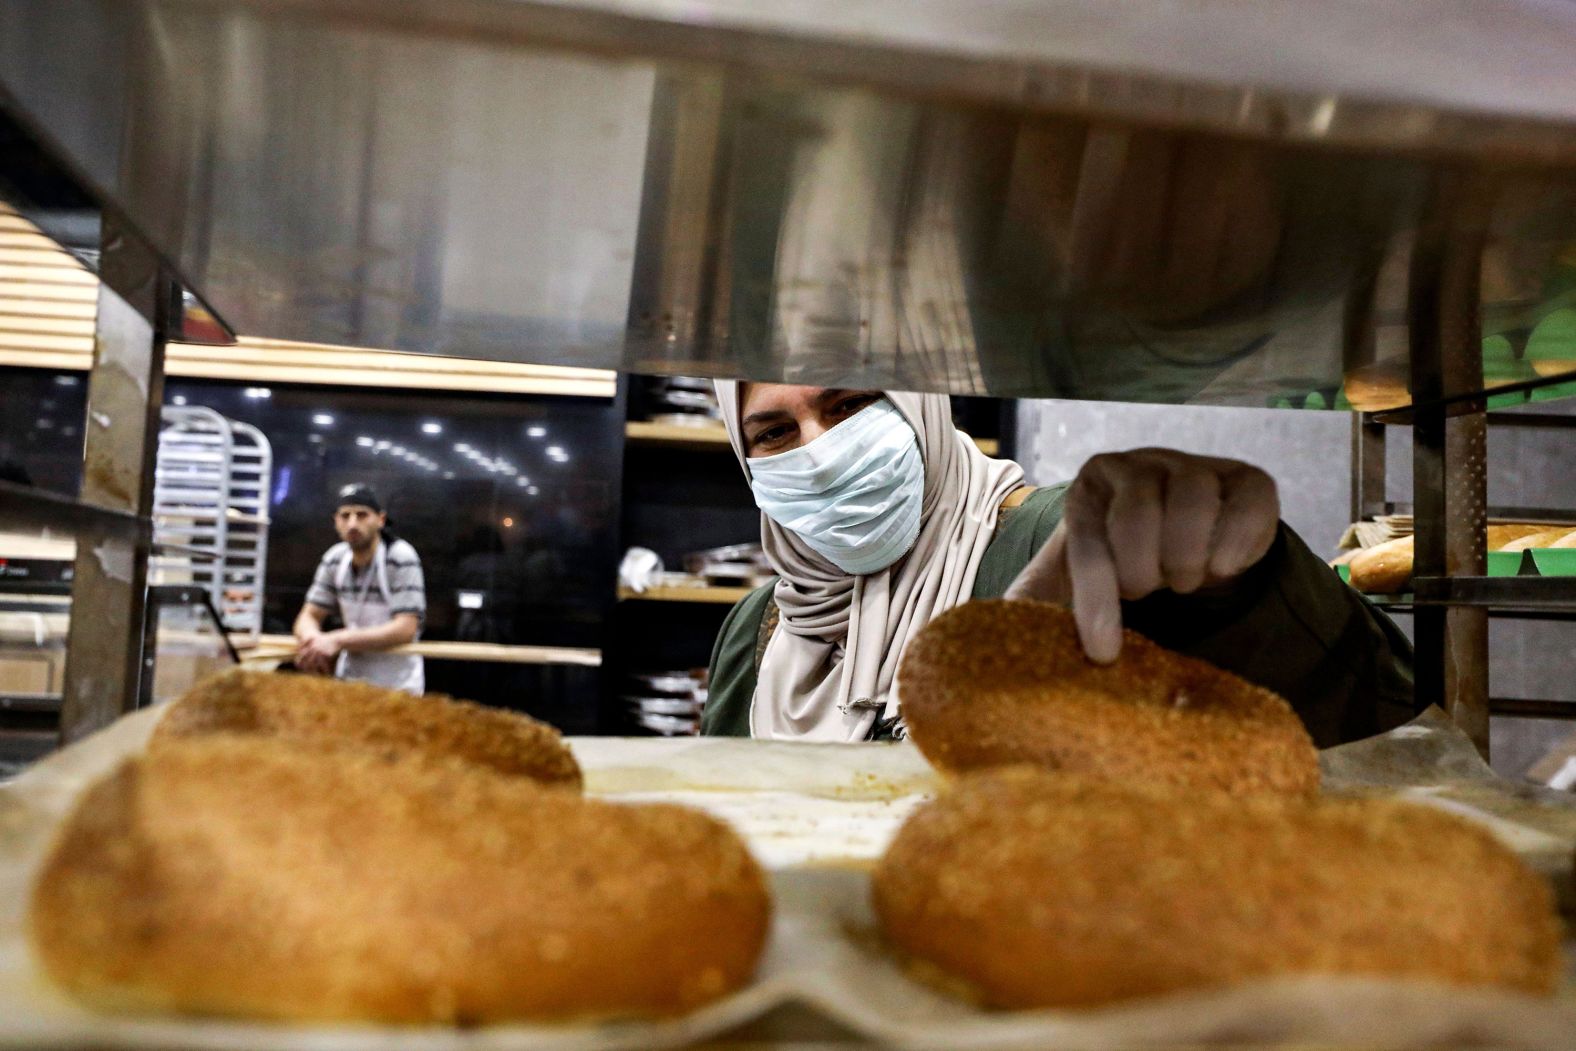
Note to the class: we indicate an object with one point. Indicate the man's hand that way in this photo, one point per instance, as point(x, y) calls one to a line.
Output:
point(1140, 521)
point(318, 653)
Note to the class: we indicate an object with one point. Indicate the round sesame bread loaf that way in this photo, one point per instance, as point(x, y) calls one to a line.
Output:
point(1034, 889)
point(315, 712)
point(997, 682)
point(243, 876)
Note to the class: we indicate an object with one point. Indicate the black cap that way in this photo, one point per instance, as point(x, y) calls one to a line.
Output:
point(359, 495)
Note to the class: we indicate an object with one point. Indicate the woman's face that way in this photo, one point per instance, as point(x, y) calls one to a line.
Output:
point(776, 417)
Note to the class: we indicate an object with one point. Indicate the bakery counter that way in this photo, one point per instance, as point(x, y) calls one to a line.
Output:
point(270, 651)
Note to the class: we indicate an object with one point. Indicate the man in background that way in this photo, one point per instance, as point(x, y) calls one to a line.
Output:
point(372, 581)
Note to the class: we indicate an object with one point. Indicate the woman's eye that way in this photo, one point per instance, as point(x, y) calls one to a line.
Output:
point(849, 406)
point(772, 436)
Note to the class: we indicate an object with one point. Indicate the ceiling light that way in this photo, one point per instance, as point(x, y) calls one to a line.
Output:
point(462, 447)
point(258, 393)
point(536, 432)
point(380, 446)
point(322, 419)
point(432, 428)
point(448, 474)
point(532, 490)
point(179, 399)
point(365, 442)
point(397, 450)
point(556, 451)
point(65, 381)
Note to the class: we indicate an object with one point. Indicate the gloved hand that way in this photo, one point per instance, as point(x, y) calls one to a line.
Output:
point(1140, 521)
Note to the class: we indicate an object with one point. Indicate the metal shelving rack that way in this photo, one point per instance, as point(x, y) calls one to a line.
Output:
point(1467, 592)
point(210, 495)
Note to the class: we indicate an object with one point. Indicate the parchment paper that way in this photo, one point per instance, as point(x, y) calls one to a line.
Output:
point(817, 816)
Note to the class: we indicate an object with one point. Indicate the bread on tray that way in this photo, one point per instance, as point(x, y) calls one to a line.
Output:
point(1031, 889)
point(997, 682)
point(1386, 568)
point(245, 876)
point(333, 714)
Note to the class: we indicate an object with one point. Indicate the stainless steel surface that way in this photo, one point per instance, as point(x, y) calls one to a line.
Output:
point(1168, 200)
point(125, 390)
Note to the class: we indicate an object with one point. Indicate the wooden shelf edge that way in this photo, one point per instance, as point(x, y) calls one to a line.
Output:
point(712, 436)
point(684, 594)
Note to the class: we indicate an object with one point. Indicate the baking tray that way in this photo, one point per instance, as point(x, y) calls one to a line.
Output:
point(817, 816)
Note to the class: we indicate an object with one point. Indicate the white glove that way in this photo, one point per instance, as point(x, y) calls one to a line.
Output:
point(1140, 521)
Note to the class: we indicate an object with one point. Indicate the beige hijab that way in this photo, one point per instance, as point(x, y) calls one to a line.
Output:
point(828, 671)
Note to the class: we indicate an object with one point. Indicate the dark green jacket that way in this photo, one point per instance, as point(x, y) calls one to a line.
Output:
point(1289, 624)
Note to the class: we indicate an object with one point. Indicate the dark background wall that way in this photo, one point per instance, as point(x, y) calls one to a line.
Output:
point(542, 551)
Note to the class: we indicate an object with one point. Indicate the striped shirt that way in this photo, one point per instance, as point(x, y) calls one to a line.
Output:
point(407, 588)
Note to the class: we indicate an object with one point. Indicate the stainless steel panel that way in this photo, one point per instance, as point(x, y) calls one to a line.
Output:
point(1172, 200)
point(104, 650)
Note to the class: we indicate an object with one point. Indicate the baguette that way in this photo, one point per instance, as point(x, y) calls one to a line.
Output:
point(1386, 568)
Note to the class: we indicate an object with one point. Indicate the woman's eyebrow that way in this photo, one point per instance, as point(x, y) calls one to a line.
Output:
point(831, 394)
point(764, 415)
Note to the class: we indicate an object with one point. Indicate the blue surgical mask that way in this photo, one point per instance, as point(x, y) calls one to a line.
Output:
point(853, 494)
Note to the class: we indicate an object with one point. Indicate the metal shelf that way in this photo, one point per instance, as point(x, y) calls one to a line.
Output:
point(46, 703)
point(1496, 512)
point(1532, 708)
point(24, 507)
point(1544, 596)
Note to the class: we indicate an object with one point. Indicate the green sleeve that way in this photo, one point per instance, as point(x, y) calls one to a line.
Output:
point(1290, 625)
point(1023, 531)
point(731, 683)
point(1293, 626)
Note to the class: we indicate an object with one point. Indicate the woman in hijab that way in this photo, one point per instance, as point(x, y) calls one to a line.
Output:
point(878, 514)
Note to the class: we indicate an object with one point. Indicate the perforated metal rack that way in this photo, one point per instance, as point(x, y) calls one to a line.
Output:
point(210, 512)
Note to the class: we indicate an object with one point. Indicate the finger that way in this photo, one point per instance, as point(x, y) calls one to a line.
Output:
point(1096, 597)
point(1192, 507)
point(1249, 518)
point(1133, 522)
point(1045, 577)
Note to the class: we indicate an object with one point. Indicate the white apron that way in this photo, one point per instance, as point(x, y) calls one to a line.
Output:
point(371, 607)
